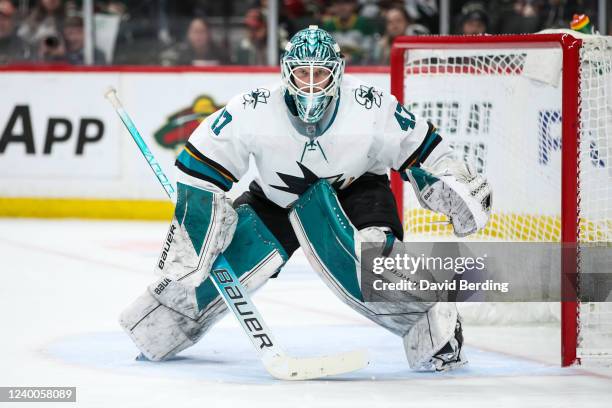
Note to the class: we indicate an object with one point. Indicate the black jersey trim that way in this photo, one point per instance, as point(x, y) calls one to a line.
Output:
point(200, 176)
point(431, 140)
point(198, 155)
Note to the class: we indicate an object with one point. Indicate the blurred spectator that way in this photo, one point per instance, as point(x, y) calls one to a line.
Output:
point(374, 11)
point(554, 14)
point(252, 49)
point(523, 18)
point(11, 46)
point(111, 7)
point(43, 23)
point(473, 19)
point(370, 8)
point(398, 23)
point(354, 33)
point(51, 48)
point(74, 40)
point(295, 15)
point(144, 29)
point(198, 49)
point(424, 12)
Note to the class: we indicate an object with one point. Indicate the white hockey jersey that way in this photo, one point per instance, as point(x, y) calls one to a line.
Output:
point(369, 132)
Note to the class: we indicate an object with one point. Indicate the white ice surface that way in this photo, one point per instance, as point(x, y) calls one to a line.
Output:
point(63, 284)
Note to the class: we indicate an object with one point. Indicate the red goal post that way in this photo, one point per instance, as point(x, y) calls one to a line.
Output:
point(422, 65)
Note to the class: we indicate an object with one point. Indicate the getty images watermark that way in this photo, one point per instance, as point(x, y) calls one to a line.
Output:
point(485, 271)
point(402, 264)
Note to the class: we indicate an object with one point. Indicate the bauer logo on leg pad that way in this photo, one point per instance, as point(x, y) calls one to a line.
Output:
point(162, 285)
point(167, 244)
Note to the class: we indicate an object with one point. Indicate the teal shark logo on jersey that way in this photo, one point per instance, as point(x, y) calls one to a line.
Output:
point(299, 185)
point(256, 96)
point(368, 96)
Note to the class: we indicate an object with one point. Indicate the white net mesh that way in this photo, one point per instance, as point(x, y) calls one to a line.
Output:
point(501, 110)
point(473, 96)
point(595, 186)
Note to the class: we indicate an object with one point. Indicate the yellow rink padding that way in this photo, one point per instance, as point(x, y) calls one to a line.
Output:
point(86, 208)
point(508, 226)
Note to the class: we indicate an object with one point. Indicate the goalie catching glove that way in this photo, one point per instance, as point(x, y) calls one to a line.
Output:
point(453, 188)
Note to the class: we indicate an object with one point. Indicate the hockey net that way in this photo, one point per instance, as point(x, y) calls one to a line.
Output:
point(506, 104)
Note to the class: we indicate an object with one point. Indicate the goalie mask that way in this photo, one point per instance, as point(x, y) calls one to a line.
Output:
point(312, 68)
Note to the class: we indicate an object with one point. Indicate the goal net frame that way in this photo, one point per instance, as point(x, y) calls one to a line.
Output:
point(570, 45)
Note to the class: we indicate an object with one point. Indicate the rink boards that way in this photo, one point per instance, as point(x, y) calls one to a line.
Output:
point(64, 152)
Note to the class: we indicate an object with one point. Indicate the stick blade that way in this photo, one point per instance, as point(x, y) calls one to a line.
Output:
point(284, 367)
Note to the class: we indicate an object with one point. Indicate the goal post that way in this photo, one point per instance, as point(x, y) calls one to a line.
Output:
point(535, 113)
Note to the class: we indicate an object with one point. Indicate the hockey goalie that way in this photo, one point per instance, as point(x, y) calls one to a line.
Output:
point(323, 143)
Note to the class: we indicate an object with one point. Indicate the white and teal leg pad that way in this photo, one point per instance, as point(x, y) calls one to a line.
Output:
point(202, 227)
point(430, 334)
point(331, 244)
point(328, 239)
point(170, 316)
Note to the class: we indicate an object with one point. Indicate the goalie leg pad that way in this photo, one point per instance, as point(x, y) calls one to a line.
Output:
point(332, 246)
point(170, 316)
point(430, 334)
point(158, 331)
point(328, 238)
point(202, 227)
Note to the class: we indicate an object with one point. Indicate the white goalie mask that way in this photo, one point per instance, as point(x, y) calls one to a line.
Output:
point(312, 69)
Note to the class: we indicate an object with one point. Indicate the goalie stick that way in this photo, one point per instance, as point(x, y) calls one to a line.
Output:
point(235, 296)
